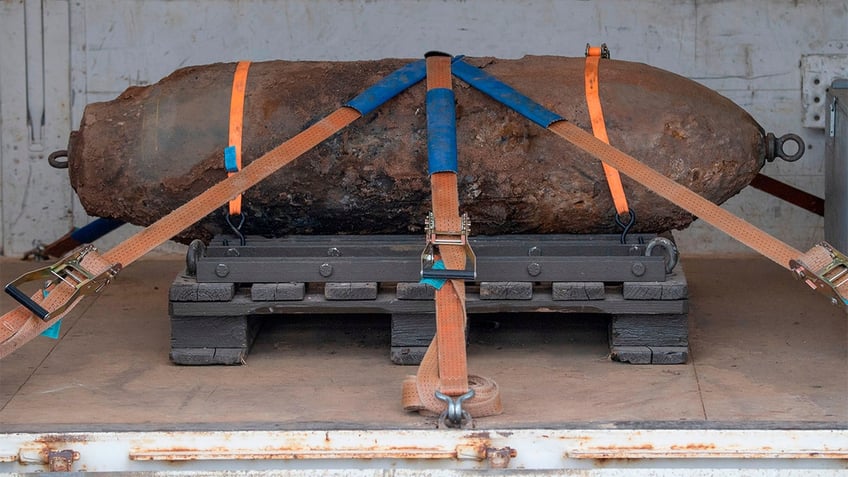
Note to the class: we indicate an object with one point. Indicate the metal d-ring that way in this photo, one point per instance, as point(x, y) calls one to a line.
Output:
point(775, 147)
point(53, 159)
point(671, 254)
point(236, 229)
point(453, 415)
point(196, 250)
point(625, 227)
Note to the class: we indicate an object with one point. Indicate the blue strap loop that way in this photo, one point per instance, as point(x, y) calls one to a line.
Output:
point(389, 87)
point(441, 131)
point(503, 93)
point(230, 162)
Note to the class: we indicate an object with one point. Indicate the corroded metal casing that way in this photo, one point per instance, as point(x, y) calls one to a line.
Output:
point(153, 148)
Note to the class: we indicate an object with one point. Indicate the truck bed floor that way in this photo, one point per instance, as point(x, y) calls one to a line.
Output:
point(764, 349)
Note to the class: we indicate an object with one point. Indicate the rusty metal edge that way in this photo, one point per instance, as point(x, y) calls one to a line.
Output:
point(527, 449)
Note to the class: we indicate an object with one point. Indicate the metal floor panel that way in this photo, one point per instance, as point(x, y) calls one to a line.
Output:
point(767, 353)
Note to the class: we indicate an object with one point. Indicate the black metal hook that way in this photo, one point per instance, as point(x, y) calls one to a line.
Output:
point(625, 227)
point(236, 228)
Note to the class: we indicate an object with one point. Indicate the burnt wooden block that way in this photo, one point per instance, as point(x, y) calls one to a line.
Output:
point(350, 291)
point(649, 339)
point(200, 340)
point(674, 287)
point(188, 289)
point(208, 356)
point(277, 291)
point(413, 329)
point(415, 291)
point(407, 355)
point(506, 290)
point(649, 330)
point(649, 355)
point(577, 291)
point(411, 335)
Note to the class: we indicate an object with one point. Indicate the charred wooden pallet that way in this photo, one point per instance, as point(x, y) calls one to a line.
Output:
point(227, 289)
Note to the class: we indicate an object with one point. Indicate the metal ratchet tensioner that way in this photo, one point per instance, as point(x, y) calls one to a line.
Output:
point(438, 237)
point(68, 270)
point(825, 270)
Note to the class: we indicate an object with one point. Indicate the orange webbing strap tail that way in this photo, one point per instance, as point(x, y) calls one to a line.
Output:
point(599, 128)
point(236, 122)
point(19, 325)
point(444, 366)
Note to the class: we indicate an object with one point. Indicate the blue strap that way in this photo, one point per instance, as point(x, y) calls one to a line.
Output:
point(389, 87)
point(503, 93)
point(230, 163)
point(96, 229)
point(441, 130)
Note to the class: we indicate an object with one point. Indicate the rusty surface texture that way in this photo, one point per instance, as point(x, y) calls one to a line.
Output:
point(143, 154)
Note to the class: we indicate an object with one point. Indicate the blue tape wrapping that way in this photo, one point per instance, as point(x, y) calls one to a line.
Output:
point(500, 91)
point(55, 328)
point(53, 331)
point(436, 283)
point(389, 87)
point(96, 229)
point(230, 163)
point(441, 130)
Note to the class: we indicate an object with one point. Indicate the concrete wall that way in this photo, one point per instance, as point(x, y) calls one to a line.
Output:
point(749, 50)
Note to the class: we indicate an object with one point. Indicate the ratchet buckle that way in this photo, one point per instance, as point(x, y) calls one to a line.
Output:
point(450, 237)
point(825, 270)
point(69, 271)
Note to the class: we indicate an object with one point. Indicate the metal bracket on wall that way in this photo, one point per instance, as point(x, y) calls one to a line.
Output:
point(817, 73)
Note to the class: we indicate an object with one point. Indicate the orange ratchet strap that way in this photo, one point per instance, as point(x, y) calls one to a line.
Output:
point(86, 271)
point(236, 122)
point(596, 113)
point(442, 385)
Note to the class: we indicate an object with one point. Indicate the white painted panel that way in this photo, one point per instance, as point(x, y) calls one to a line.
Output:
point(36, 198)
point(748, 50)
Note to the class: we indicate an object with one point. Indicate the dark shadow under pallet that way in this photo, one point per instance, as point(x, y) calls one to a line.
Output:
point(215, 322)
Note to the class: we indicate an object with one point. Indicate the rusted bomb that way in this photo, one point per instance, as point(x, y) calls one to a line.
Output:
point(153, 148)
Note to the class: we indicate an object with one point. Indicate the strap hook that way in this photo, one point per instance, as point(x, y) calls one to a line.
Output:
point(236, 228)
point(453, 415)
point(625, 226)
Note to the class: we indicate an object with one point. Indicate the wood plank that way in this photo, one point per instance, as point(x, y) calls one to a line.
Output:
point(413, 329)
point(631, 354)
point(649, 354)
point(346, 291)
point(506, 290)
point(277, 291)
point(674, 287)
point(187, 289)
point(649, 330)
point(407, 355)
point(669, 354)
point(208, 356)
point(387, 302)
point(576, 291)
point(213, 331)
point(415, 291)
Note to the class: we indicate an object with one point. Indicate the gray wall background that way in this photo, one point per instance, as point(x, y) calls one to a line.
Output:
point(57, 55)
